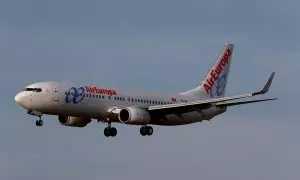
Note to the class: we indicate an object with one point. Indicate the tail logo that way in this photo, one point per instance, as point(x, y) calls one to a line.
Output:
point(216, 71)
point(75, 95)
point(220, 86)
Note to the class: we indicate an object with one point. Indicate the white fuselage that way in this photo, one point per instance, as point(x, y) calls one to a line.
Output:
point(97, 103)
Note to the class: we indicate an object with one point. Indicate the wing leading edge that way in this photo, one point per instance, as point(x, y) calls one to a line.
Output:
point(203, 104)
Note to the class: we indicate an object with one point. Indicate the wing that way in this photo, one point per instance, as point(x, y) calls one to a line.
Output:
point(180, 108)
point(227, 104)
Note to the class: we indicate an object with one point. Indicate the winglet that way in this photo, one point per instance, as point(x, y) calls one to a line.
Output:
point(266, 87)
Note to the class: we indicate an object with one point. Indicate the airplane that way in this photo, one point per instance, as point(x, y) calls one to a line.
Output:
point(77, 105)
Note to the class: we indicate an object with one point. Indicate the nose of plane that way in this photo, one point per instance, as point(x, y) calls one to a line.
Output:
point(18, 98)
point(22, 100)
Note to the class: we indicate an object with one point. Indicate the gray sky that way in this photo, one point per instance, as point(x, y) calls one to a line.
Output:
point(162, 46)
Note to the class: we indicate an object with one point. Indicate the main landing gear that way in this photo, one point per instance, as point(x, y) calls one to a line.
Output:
point(110, 131)
point(39, 122)
point(146, 130)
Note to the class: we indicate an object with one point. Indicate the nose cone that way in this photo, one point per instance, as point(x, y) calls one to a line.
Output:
point(20, 99)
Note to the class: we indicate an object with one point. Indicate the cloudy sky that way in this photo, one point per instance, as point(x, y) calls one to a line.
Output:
point(161, 46)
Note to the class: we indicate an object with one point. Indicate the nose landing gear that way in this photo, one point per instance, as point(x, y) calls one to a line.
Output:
point(39, 122)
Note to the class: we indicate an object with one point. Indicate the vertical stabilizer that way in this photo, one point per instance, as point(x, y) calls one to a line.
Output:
point(214, 84)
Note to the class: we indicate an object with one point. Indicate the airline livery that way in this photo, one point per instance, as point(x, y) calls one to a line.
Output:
point(77, 105)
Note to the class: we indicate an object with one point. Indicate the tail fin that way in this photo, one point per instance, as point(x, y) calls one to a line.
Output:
point(214, 84)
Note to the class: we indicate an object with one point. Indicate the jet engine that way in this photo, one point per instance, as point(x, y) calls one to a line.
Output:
point(73, 121)
point(136, 116)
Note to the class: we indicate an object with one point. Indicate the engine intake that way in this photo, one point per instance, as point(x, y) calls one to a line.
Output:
point(134, 116)
point(73, 121)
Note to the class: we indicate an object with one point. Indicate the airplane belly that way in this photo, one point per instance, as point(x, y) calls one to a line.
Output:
point(189, 118)
point(173, 120)
point(82, 110)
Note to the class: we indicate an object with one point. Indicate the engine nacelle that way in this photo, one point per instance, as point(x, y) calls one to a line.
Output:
point(73, 121)
point(137, 116)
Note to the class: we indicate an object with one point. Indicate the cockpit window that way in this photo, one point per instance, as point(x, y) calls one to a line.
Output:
point(33, 89)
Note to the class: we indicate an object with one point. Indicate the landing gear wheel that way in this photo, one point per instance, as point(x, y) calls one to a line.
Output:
point(110, 131)
point(146, 130)
point(113, 131)
point(149, 130)
point(39, 123)
point(107, 131)
point(143, 131)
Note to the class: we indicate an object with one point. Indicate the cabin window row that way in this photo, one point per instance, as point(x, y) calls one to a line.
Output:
point(121, 98)
point(148, 101)
point(86, 95)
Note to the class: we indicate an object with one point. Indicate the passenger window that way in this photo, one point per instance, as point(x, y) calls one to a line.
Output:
point(108, 97)
point(102, 96)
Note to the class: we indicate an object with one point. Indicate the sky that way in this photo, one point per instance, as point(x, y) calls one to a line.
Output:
point(163, 46)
